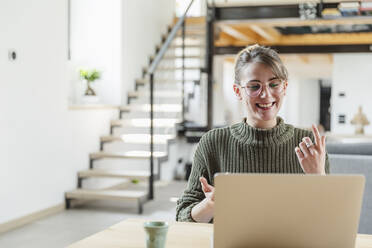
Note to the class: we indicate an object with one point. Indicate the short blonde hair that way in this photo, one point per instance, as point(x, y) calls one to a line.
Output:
point(260, 54)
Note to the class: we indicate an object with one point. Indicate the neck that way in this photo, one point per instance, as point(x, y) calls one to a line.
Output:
point(261, 124)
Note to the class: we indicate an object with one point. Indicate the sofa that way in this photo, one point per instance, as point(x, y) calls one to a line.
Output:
point(355, 158)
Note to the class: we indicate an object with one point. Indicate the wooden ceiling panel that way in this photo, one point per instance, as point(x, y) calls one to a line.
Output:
point(244, 34)
point(326, 39)
point(269, 34)
point(240, 34)
point(224, 39)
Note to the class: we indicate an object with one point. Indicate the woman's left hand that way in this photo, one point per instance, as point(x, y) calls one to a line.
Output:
point(312, 156)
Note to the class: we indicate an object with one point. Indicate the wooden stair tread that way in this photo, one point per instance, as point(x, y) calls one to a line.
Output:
point(128, 154)
point(115, 174)
point(105, 194)
point(157, 107)
point(163, 80)
point(173, 94)
point(192, 34)
point(139, 138)
point(190, 68)
point(189, 46)
point(145, 122)
point(186, 57)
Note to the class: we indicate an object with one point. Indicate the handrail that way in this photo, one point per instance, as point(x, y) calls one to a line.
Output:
point(168, 41)
point(180, 23)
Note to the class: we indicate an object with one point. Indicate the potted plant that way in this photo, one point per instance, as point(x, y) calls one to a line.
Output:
point(90, 76)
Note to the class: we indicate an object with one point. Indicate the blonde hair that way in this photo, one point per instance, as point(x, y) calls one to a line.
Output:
point(260, 54)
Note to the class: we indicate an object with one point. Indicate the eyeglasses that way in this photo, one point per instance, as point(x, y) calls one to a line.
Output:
point(253, 89)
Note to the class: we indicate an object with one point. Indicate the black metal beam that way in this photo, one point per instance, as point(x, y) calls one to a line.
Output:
point(362, 48)
point(256, 12)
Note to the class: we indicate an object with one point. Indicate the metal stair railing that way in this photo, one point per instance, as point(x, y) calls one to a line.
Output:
point(180, 24)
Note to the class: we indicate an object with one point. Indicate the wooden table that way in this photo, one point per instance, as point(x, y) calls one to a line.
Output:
point(130, 233)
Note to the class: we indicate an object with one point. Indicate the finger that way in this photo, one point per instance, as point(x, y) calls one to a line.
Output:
point(304, 149)
point(205, 186)
point(299, 154)
point(309, 144)
point(323, 141)
point(202, 182)
point(307, 141)
point(316, 134)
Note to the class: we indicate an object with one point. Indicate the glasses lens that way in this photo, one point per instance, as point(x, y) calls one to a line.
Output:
point(253, 89)
point(276, 86)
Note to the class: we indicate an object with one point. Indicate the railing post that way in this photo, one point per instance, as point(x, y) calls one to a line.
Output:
point(151, 183)
point(209, 63)
point(183, 71)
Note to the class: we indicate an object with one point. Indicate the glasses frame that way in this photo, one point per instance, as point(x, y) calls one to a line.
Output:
point(262, 85)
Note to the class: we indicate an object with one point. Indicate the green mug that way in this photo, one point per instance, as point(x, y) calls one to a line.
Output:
point(156, 233)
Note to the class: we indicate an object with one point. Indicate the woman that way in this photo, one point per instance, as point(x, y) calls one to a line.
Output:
point(261, 143)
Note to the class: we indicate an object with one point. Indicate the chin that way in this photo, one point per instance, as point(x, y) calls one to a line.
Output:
point(267, 117)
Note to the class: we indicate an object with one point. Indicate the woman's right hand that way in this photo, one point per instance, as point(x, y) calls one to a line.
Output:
point(208, 190)
point(204, 210)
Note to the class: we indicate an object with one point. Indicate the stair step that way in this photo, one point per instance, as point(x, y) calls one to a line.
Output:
point(156, 107)
point(145, 122)
point(140, 175)
point(143, 81)
point(195, 35)
point(117, 195)
point(190, 68)
point(158, 139)
point(194, 32)
point(127, 155)
point(169, 94)
point(194, 29)
point(189, 46)
point(186, 57)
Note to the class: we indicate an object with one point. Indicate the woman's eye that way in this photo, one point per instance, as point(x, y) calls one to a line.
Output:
point(253, 87)
point(274, 84)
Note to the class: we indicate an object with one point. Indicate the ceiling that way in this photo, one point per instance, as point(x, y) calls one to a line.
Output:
point(286, 32)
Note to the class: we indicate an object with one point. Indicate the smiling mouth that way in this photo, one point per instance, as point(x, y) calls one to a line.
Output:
point(265, 106)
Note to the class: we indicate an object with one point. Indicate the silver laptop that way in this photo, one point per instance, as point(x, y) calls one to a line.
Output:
point(273, 210)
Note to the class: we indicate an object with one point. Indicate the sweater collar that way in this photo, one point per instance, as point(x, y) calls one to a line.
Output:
point(249, 135)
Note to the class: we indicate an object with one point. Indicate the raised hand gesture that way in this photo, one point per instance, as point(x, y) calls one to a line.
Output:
point(208, 189)
point(312, 156)
point(203, 212)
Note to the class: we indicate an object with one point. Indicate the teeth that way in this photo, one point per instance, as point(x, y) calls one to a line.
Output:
point(265, 105)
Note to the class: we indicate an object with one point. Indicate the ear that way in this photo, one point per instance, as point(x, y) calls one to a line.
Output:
point(237, 91)
point(285, 87)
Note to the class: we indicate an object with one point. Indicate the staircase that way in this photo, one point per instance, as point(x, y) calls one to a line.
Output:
point(129, 139)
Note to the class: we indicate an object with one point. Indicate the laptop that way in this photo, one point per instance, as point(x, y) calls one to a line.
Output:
point(287, 210)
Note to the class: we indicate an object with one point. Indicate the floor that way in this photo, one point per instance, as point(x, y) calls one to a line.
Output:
point(72, 225)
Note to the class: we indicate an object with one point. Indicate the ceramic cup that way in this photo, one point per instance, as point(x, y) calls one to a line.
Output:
point(156, 233)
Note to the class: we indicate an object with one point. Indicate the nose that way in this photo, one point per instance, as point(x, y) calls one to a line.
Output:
point(265, 91)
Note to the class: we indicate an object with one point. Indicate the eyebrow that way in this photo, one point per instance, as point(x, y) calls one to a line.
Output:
point(256, 80)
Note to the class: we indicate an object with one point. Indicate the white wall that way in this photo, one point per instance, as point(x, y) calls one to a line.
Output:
point(43, 144)
point(96, 44)
point(196, 9)
point(143, 22)
point(352, 75)
point(117, 37)
point(301, 105)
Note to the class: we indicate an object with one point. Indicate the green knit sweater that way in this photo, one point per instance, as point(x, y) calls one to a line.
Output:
point(241, 148)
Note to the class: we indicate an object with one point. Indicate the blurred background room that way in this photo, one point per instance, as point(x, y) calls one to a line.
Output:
point(104, 102)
